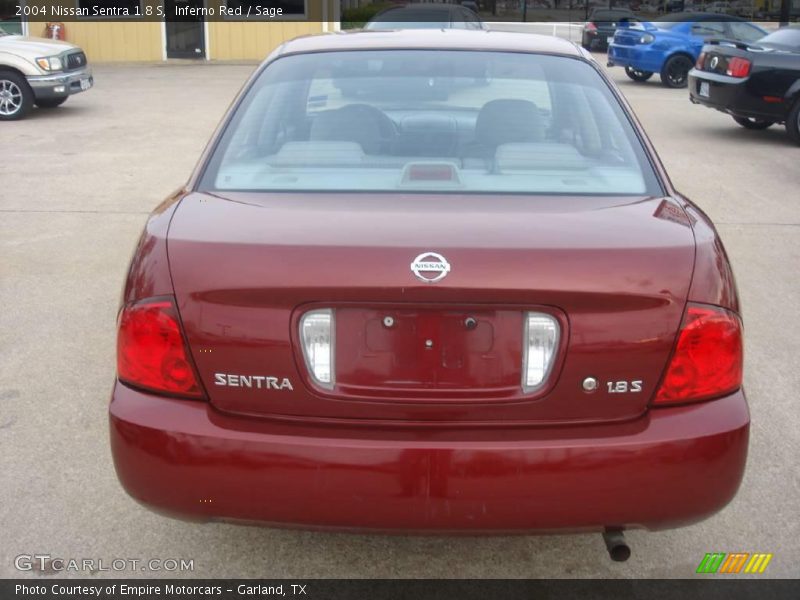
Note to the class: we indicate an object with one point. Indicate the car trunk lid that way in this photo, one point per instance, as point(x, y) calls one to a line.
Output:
point(613, 272)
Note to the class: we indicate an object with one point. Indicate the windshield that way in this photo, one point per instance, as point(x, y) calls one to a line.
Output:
point(421, 120)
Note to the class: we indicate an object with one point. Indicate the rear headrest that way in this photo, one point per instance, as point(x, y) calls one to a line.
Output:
point(507, 121)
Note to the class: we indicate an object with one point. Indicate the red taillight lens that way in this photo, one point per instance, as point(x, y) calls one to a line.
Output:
point(707, 362)
point(151, 352)
point(738, 67)
point(590, 27)
point(701, 61)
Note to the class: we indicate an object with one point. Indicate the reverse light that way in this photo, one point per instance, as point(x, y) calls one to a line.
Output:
point(738, 67)
point(50, 63)
point(708, 356)
point(540, 343)
point(151, 350)
point(317, 336)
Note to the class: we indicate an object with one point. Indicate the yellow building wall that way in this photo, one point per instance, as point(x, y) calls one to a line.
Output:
point(235, 40)
point(254, 40)
point(117, 41)
point(106, 40)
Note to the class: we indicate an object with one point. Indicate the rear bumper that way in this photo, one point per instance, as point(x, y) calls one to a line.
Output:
point(668, 468)
point(641, 57)
point(733, 96)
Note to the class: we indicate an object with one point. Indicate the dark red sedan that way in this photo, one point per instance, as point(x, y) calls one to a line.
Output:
point(431, 281)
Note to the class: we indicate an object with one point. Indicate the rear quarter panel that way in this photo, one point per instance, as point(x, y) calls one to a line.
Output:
point(712, 280)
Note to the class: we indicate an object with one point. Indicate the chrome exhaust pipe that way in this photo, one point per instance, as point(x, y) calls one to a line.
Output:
point(617, 547)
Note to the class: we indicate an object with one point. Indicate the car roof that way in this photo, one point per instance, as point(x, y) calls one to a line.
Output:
point(431, 39)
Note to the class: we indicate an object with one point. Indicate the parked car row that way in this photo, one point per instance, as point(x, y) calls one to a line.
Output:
point(671, 45)
point(758, 83)
point(728, 63)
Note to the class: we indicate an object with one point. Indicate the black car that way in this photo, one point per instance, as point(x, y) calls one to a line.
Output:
point(599, 29)
point(758, 84)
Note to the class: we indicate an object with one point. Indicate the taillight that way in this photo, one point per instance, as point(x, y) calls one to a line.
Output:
point(317, 336)
point(738, 67)
point(701, 61)
point(541, 342)
point(707, 361)
point(590, 27)
point(151, 350)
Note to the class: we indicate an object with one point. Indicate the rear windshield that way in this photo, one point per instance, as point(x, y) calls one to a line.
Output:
point(435, 121)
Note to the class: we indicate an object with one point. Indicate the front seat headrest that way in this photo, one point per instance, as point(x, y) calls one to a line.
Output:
point(507, 121)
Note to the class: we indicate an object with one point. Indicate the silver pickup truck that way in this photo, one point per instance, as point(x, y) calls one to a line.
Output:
point(39, 71)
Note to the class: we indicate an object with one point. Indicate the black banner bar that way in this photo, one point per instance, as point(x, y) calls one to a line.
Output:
point(707, 588)
point(358, 12)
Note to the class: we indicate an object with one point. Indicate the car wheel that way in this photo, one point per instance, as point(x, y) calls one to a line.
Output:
point(50, 102)
point(749, 123)
point(638, 75)
point(675, 73)
point(16, 97)
point(793, 122)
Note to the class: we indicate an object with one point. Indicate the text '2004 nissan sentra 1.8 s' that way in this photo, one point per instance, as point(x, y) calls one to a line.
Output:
point(431, 281)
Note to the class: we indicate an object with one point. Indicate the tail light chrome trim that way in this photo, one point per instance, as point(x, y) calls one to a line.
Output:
point(540, 343)
point(318, 341)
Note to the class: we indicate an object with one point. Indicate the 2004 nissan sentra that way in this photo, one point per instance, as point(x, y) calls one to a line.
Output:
point(431, 281)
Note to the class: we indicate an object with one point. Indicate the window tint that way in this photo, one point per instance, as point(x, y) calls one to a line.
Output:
point(708, 29)
point(443, 121)
point(744, 32)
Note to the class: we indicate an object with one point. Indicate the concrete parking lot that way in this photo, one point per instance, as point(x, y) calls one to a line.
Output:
point(76, 184)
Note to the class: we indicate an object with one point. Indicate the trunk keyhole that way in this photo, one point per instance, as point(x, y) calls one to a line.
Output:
point(470, 323)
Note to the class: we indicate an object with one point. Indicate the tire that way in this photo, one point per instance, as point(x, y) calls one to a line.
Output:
point(675, 72)
point(756, 124)
point(793, 123)
point(16, 96)
point(638, 75)
point(50, 102)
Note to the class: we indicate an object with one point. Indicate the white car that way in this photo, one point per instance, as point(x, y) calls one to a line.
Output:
point(39, 71)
